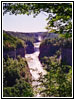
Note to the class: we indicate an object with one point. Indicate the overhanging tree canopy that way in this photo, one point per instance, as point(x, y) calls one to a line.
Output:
point(59, 14)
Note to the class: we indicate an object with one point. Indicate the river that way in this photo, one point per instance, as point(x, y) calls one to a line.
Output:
point(36, 68)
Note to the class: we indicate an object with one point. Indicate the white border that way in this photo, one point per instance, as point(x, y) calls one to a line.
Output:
point(38, 1)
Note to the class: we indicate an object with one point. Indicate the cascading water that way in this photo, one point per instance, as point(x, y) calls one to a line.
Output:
point(35, 67)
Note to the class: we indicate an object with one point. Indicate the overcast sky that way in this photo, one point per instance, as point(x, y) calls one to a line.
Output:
point(24, 23)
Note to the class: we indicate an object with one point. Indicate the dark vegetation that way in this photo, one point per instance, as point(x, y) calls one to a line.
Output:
point(16, 78)
point(58, 81)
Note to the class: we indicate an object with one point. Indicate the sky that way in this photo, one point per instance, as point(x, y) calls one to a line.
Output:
point(25, 23)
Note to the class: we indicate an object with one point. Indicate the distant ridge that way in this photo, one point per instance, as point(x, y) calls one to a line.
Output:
point(24, 32)
point(44, 35)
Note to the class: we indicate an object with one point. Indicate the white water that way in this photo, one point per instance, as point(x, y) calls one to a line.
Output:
point(35, 66)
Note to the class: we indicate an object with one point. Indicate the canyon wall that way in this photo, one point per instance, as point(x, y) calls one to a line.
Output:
point(19, 51)
point(50, 50)
point(66, 55)
point(14, 53)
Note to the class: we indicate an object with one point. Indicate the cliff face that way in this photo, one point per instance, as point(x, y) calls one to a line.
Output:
point(48, 50)
point(66, 55)
point(20, 51)
point(29, 49)
point(14, 53)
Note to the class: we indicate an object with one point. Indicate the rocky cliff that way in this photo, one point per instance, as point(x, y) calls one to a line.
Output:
point(48, 50)
point(14, 53)
point(66, 55)
point(29, 47)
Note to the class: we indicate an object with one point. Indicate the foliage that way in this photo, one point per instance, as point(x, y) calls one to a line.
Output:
point(10, 76)
point(21, 89)
point(58, 81)
point(14, 83)
point(10, 42)
point(59, 14)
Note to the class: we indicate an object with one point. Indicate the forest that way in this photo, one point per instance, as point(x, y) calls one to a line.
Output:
point(39, 68)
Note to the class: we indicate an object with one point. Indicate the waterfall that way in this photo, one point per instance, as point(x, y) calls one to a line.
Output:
point(39, 38)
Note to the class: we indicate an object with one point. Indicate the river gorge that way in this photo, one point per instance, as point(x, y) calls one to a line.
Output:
point(35, 67)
